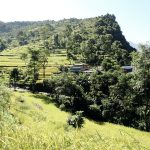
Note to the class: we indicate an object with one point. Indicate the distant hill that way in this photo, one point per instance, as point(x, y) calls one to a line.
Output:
point(22, 25)
point(102, 32)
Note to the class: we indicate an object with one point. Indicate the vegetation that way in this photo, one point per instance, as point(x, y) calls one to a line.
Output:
point(37, 56)
point(112, 96)
point(4, 100)
point(104, 40)
point(76, 120)
point(38, 123)
point(14, 77)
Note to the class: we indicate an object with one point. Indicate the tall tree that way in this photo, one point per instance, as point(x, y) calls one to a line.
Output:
point(68, 31)
point(141, 61)
point(44, 53)
point(14, 76)
point(33, 65)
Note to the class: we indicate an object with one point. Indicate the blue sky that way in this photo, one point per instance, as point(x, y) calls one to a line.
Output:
point(132, 15)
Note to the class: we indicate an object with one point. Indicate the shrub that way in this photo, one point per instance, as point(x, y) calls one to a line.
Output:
point(76, 120)
point(63, 68)
point(65, 102)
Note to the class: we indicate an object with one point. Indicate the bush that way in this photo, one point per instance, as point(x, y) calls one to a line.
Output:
point(65, 102)
point(76, 120)
point(63, 68)
point(49, 85)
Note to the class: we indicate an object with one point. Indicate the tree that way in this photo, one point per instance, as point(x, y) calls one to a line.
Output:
point(49, 44)
point(118, 107)
point(14, 75)
point(73, 47)
point(68, 31)
point(35, 59)
point(56, 41)
point(89, 52)
point(108, 64)
point(71, 56)
point(119, 54)
point(141, 62)
point(44, 53)
point(33, 65)
point(24, 57)
point(2, 45)
point(22, 38)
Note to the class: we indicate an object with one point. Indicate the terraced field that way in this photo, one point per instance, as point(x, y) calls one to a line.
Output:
point(10, 59)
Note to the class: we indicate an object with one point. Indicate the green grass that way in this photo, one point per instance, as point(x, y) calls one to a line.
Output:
point(43, 126)
point(14, 60)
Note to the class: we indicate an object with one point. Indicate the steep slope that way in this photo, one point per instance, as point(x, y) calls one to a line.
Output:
point(43, 126)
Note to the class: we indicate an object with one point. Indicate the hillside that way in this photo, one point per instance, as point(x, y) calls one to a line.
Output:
point(38, 56)
point(11, 29)
point(43, 126)
point(22, 33)
point(67, 41)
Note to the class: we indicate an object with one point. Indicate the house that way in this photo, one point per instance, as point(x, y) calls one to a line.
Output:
point(79, 68)
point(88, 71)
point(127, 69)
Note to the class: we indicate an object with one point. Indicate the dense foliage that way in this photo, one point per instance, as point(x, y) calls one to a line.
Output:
point(88, 40)
point(103, 39)
point(108, 94)
point(105, 96)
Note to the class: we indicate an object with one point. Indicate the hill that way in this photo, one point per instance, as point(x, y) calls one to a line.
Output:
point(55, 34)
point(37, 56)
point(43, 126)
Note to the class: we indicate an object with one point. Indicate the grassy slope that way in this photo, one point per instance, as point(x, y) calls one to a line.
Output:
point(43, 126)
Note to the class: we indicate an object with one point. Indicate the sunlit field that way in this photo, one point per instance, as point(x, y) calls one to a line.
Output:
point(41, 125)
point(10, 59)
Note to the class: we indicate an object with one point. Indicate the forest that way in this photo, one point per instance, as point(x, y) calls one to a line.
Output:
point(37, 56)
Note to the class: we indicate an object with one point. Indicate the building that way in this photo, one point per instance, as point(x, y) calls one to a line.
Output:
point(127, 69)
point(79, 68)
